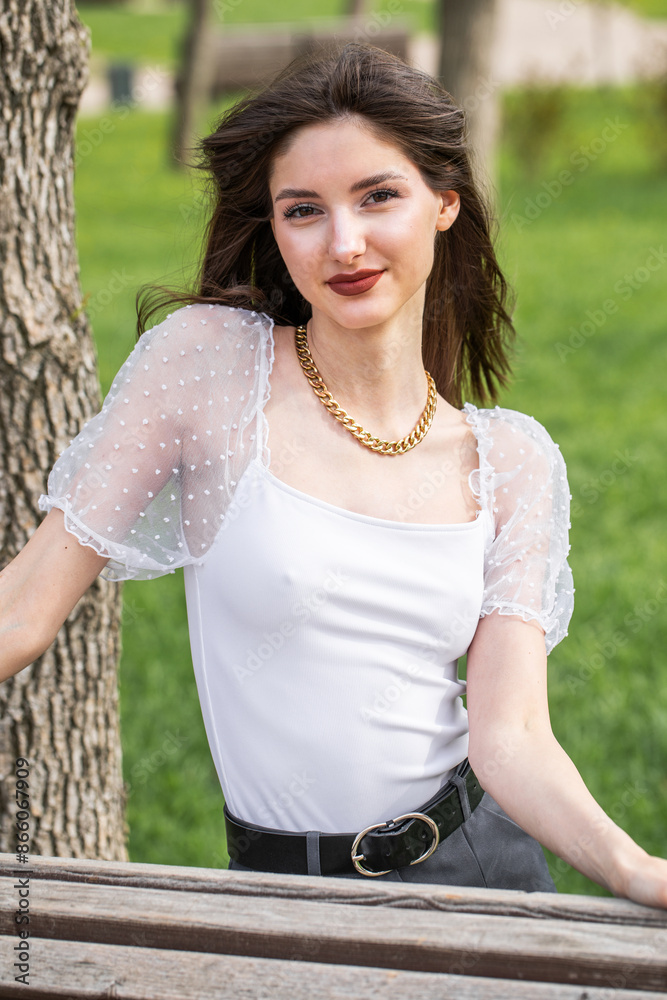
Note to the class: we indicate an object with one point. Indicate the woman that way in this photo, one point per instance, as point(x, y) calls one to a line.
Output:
point(338, 566)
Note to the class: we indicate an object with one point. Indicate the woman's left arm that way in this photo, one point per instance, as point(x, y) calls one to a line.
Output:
point(522, 766)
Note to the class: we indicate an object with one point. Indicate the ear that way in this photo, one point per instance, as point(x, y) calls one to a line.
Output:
point(450, 204)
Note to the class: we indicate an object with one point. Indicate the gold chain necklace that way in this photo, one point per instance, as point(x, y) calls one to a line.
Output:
point(374, 443)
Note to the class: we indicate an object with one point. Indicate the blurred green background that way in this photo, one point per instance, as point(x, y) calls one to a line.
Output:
point(155, 30)
point(587, 261)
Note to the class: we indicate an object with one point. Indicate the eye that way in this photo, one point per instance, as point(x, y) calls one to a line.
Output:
point(290, 213)
point(390, 192)
point(305, 211)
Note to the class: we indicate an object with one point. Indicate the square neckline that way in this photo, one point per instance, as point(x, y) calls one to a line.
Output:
point(325, 504)
point(368, 518)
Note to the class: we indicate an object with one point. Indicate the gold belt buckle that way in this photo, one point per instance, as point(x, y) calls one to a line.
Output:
point(356, 858)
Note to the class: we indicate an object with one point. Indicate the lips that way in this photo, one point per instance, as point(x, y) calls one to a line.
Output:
point(354, 283)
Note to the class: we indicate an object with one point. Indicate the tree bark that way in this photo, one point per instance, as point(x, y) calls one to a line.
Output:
point(61, 713)
point(194, 81)
point(466, 35)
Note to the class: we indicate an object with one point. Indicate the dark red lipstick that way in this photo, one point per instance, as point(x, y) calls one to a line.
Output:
point(354, 282)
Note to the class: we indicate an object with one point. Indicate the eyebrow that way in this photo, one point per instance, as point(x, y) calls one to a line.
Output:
point(357, 186)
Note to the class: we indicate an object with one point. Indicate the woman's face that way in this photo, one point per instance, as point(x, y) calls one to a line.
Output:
point(346, 202)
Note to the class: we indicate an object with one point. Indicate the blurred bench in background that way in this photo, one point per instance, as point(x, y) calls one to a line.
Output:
point(250, 56)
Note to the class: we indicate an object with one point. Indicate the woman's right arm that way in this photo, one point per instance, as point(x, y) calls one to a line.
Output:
point(149, 478)
point(39, 588)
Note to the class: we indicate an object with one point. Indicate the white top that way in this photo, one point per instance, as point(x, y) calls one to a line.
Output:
point(325, 642)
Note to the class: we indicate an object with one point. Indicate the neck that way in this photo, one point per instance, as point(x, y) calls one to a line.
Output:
point(374, 373)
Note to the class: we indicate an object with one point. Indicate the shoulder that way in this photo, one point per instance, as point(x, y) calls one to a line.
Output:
point(207, 326)
point(195, 355)
point(197, 343)
point(506, 425)
point(522, 484)
point(519, 463)
point(511, 439)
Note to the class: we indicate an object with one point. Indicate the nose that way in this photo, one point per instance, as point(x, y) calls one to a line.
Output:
point(347, 238)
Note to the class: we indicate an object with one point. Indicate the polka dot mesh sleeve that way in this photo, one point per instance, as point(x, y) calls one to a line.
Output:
point(149, 479)
point(522, 482)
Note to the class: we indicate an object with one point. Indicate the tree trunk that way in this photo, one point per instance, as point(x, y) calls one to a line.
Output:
point(193, 85)
point(61, 713)
point(466, 34)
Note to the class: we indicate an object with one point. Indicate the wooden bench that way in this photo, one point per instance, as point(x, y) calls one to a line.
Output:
point(134, 931)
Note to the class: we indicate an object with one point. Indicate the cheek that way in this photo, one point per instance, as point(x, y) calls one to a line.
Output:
point(300, 260)
point(289, 244)
point(409, 243)
point(405, 233)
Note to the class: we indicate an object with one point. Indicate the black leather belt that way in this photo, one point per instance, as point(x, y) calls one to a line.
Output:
point(376, 850)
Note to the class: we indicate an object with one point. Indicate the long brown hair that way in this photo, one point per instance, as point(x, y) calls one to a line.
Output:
point(467, 329)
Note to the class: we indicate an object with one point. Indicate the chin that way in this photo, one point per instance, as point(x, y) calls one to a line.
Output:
point(357, 315)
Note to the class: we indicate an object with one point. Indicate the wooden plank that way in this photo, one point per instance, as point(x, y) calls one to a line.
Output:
point(82, 971)
point(459, 943)
point(497, 902)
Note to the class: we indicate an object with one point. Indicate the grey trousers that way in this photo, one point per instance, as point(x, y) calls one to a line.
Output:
point(489, 850)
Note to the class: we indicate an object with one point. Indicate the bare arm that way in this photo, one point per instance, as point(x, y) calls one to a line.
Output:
point(39, 588)
point(519, 762)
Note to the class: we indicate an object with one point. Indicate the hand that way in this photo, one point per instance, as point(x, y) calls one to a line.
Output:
point(644, 880)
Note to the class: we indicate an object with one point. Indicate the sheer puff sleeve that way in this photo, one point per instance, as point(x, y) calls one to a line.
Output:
point(148, 481)
point(522, 483)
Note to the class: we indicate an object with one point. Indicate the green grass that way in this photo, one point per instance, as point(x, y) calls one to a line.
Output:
point(129, 32)
point(597, 386)
point(120, 33)
point(136, 219)
point(602, 400)
point(126, 33)
point(647, 8)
